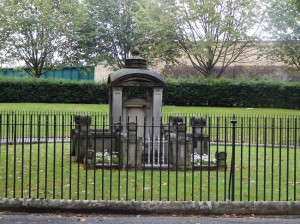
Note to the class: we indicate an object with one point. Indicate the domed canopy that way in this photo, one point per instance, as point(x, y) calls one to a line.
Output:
point(135, 73)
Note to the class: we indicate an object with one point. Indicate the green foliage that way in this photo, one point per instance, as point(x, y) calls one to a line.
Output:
point(39, 34)
point(283, 19)
point(232, 93)
point(111, 31)
point(52, 91)
point(108, 158)
point(206, 32)
point(179, 92)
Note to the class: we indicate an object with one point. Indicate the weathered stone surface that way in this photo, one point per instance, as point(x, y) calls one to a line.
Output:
point(155, 207)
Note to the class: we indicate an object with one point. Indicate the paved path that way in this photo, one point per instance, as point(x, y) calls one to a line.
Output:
point(21, 218)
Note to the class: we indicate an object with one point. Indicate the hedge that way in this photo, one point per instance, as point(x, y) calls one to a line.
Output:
point(233, 93)
point(180, 92)
point(52, 91)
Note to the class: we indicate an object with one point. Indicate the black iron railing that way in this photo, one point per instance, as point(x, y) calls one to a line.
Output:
point(196, 157)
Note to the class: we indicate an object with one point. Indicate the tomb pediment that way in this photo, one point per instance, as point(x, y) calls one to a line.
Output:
point(136, 77)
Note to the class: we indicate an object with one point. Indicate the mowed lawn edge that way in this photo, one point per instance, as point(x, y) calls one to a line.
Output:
point(93, 108)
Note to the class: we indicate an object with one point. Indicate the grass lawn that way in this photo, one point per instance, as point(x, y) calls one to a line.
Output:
point(218, 120)
point(45, 171)
point(93, 108)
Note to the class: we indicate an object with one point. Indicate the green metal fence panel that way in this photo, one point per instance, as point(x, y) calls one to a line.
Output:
point(11, 73)
point(70, 73)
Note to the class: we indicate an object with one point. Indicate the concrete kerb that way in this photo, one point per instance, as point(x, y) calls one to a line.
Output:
point(152, 207)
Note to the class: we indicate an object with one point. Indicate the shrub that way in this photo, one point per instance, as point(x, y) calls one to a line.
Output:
point(52, 91)
point(179, 92)
point(232, 93)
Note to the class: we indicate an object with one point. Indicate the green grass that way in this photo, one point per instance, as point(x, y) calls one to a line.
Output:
point(46, 171)
point(276, 126)
point(231, 110)
point(44, 107)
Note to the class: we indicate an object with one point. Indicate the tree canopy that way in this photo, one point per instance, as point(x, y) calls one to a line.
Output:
point(207, 32)
point(39, 34)
point(283, 25)
point(111, 30)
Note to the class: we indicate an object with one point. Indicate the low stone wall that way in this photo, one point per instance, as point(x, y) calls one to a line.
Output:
point(152, 207)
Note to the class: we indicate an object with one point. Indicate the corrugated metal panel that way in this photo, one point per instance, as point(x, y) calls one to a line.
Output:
point(70, 73)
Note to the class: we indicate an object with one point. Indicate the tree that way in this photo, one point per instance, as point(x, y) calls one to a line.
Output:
point(297, 4)
point(207, 32)
point(39, 33)
point(111, 30)
point(283, 25)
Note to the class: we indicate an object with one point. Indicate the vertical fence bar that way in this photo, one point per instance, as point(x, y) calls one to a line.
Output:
point(22, 154)
point(242, 158)
point(256, 160)
point(15, 154)
point(161, 158)
point(176, 170)
point(127, 159)
point(201, 162)
point(217, 142)
point(54, 156)
point(169, 160)
point(135, 158)
point(102, 176)
point(272, 159)
point(232, 167)
point(87, 124)
point(70, 158)
point(30, 156)
point(225, 168)
point(144, 159)
point(111, 163)
point(62, 155)
point(265, 157)
point(46, 156)
point(184, 164)
point(78, 157)
point(287, 157)
point(249, 156)
point(95, 158)
point(22, 160)
point(295, 159)
point(119, 152)
point(118, 143)
point(209, 156)
point(152, 156)
point(280, 158)
point(38, 156)
point(1, 138)
point(0, 133)
point(193, 159)
point(7, 153)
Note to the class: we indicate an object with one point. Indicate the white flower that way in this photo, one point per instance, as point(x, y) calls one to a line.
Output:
point(202, 159)
point(107, 158)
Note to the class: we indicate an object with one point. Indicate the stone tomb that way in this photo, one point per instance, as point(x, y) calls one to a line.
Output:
point(145, 110)
point(135, 132)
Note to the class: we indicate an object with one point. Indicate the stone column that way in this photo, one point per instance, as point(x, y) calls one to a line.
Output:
point(156, 111)
point(116, 105)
